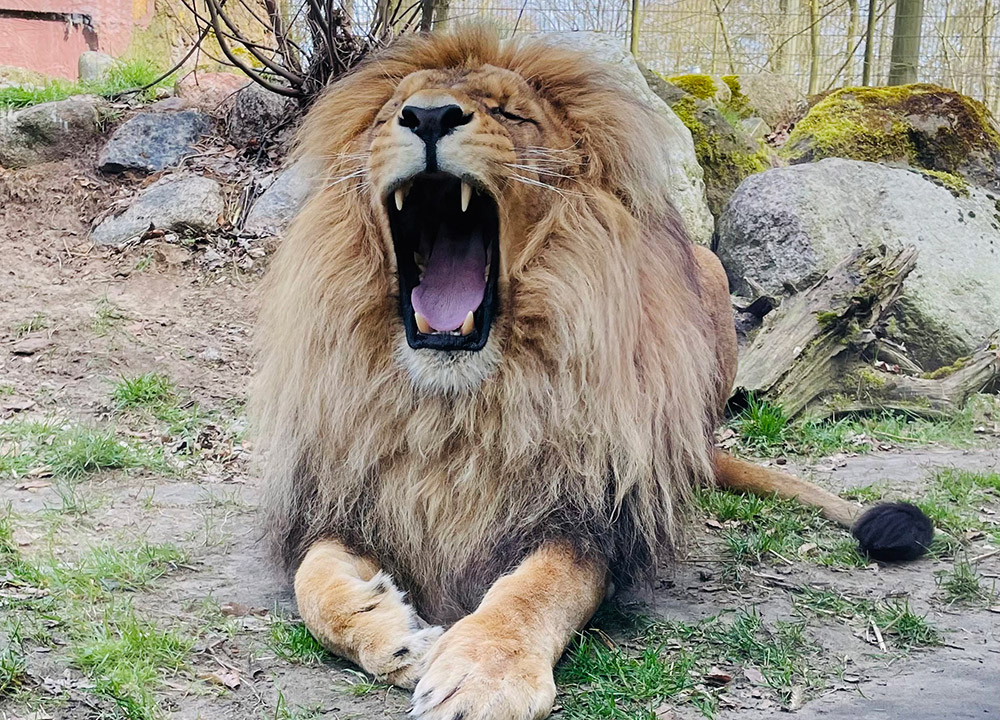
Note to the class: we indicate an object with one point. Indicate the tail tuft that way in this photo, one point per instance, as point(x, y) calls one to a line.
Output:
point(894, 532)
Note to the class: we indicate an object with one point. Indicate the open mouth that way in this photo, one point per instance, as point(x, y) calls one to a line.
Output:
point(446, 235)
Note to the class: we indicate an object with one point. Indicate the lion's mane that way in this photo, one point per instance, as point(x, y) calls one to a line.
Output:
point(598, 419)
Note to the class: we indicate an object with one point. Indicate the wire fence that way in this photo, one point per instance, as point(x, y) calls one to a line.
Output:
point(818, 44)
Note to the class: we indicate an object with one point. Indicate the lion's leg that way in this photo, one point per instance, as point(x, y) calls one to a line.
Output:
point(496, 664)
point(354, 610)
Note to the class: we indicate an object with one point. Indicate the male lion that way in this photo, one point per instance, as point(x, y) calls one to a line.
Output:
point(490, 367)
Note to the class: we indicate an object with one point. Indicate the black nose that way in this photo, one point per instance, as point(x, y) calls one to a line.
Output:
point(432, 124)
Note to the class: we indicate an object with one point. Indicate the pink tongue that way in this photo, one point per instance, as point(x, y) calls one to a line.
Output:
point(454, 281)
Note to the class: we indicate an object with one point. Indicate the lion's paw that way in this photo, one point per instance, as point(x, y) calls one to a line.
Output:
point(474, 676)
point(392, 641)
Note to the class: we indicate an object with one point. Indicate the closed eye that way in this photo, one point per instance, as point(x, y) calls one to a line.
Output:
point(511, 116)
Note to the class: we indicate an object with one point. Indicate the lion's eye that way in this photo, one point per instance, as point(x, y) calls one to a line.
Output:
point(499, 111)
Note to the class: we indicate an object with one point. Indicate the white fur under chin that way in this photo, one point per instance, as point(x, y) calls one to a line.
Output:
point(449, 373)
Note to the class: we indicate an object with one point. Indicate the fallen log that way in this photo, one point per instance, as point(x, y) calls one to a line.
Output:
point(818, 353)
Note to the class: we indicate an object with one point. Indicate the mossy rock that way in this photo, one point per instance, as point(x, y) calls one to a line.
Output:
point(925, 126)
point(725, 152)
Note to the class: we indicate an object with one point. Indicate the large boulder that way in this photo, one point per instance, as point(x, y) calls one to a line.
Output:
point(153, 141)
point(924, 126)
point(179, 203)
point(709, 107)
point(687, 184)
point(275, 208)
point(49, 131)
point(255, 116)
point(784, 228)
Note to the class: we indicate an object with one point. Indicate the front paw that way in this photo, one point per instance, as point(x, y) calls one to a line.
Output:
point(478, 673)
point(408, 662)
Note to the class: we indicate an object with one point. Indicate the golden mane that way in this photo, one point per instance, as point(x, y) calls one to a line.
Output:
point(598, 419)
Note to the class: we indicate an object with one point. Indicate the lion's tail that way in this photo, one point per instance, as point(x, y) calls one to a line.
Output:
point(887, 531)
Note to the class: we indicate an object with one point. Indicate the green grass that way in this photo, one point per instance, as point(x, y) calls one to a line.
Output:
point(151, 391)
point(954, 498)
point(757, 529)
point(602, 679)
point(895, 619)
point(6, 389)
point(76, 605)
point(107, 317)
point(36, 322)
point(68, 451)
point(13, 667)
point(128, 658)
point(963, 585)
point(292, 642)
point(762, 429)
point(126, 74)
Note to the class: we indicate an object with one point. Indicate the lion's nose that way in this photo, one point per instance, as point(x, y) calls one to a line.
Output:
point(431, 124)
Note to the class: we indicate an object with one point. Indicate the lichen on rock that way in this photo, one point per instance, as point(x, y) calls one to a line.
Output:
point(922, 125)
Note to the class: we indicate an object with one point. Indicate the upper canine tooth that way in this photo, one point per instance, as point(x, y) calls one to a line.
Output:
point(466, 195)
point(469, 325)
point(422, 324)
point(400, 196)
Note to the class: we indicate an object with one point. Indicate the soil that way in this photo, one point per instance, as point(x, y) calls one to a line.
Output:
point(191, 320)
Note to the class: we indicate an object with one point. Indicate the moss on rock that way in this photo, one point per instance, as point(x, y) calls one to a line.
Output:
point(702, 87)
point(925, 126)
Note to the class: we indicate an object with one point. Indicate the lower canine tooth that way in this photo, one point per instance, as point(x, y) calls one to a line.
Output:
point(400, 196)
point(469, 325)
point(422, 324)
point(466, 195)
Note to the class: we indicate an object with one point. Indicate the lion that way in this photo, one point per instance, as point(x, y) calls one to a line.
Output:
point(490, 367)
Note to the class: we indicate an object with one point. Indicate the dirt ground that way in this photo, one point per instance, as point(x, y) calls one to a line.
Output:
point(110, 314)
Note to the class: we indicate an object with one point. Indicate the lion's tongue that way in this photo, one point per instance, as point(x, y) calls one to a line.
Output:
point(454, 280)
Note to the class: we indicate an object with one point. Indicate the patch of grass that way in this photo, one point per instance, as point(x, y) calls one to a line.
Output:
point(13, 667)
point(284, 711)
point(954, 498)
point(68, 452)
point(109, 569)
point(757, 528)
point(963, 585)
point(151, 391)
point(6, 389)
point(866, 494)
point(895, 619)
point(292, 642)
point(128, 657)
point(763, 430)
point(36, 322)
point(761, 425)
point(107, 316)
point(126, 74)
point(602, 679)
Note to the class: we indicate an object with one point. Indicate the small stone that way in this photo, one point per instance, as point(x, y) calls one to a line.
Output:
point(49, 131)
point(93, 67)
point(31, 345)
point(255, 114)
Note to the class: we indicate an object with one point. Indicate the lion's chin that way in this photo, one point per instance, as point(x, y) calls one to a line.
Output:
point(449, 372)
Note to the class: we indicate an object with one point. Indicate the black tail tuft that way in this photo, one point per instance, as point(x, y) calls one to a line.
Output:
point(894, 532)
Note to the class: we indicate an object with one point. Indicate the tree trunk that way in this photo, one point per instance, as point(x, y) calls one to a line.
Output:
point(813, 47)
point(985, 34)
point(866, 71)
point(905, 60)
point(633, 44)
point(852, 34)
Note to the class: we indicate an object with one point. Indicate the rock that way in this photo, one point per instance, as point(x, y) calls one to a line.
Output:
point(93, 67)
point(725, 152)
point(687, 188)
point(153, 141)
point(31, 345)
point(773, 98)
point(786, 227)
point(175, 202)
point(275, 208)
point(754, 128)
point(211, 92)
point(49, 131)
point(255, 115)
point(924, 126)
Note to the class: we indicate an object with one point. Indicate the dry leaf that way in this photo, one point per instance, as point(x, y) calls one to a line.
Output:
point(717, 677)
point(33, 485)
point(227, 678)
point(755, 676)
